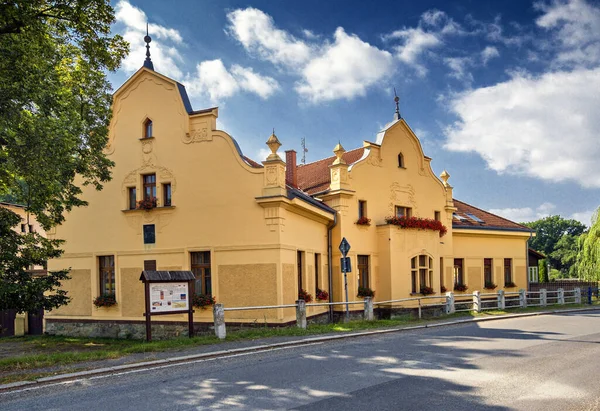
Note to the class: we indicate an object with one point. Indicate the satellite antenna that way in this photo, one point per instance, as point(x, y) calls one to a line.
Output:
point(304, 150)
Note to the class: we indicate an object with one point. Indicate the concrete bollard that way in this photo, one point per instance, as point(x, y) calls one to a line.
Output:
point(561, 296)
point(501, 300)
point(543, 297)
point(577, 292)
point(477, 301)
point(368, 314)
point(301, 314)
point(219, 318)
point(523, 298)
point(450, 308)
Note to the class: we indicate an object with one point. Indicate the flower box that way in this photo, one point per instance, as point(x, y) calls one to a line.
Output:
point(147, 204)
point(509, 284)
point(322, 295)
point(203, 300)
point(460, 287)
point(363, 221)
point(105, 300)
point(443, 289)
point(418, 223)
point(305, 295)
point(490, 286)
point(365, 292)
point(427, 290)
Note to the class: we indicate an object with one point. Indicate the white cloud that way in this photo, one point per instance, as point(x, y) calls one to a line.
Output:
point(525, 214)
point(345, 69)
point(545, 127)
point(584, 217)
point(489, 53)
point(458, 67)
point(258, 34)
point(213, 79)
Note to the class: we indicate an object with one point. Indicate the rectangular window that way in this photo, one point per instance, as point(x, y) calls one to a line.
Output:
point(132, 198)
point(167, 195)
point(533, 275)
point(149, 265)
point(149, 234)
point(458, 272)
point(488, 277)
point(437, 216)
point(363, 271)
point(507, 271)
point(317, 270)
point(300, 258)
point(23, 228)
point(362, 208)
point(200, 266)
point(403, 211)
point(149, 186)
point(31, 228)
point(413, 278)
point(106, 265)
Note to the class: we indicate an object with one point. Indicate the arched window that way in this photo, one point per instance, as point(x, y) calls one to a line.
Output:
point(421, 273)
point(148, 128)
point(400, 160)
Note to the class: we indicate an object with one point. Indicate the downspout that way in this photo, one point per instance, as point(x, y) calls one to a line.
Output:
point(527, 258)
point(330, 262)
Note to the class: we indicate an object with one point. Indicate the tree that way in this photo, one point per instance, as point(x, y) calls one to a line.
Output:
point(54, 115)
point(549, 232)
point(565, 252)
point(588, 259)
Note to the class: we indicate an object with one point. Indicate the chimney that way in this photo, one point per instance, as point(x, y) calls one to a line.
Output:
point(291, 173)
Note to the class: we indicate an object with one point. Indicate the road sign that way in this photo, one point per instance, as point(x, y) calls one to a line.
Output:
point(344, 246)
point(345, 264)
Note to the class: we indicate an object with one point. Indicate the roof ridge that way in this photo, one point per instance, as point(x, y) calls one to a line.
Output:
point(316, 161)
point(495, 215)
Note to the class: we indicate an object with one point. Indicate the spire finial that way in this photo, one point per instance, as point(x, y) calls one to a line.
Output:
point(148, 39)
point(397, 115)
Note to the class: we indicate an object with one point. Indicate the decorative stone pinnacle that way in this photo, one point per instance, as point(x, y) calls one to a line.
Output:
point(339, 151)
point(274, 144)
point(445, 176)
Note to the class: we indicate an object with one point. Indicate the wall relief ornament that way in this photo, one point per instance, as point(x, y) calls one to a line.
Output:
point(374, 160)
point(198, 134)
point(401, 195)
point(147, 146)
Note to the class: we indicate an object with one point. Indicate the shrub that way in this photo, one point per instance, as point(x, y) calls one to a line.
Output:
point(322, 295)
point(203, 300)
point(427, 290)
point(490, 286)
point(363, 221)
point(105, 300)
point(418, 223)
point(460, 287)
point(305, 295)
point(365, 292)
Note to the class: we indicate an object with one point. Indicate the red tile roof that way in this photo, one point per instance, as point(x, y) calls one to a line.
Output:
point(490, 221)
point(252, 162)
point(315, 177)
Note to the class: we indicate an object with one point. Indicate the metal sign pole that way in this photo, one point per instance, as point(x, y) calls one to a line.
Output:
point(346, 287)
point(148, 318)
point(344, 248)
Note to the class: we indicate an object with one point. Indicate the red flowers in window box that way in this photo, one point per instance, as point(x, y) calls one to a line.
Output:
point(322, 295)
point(105, 300)
point(305, 295)
point(418, 223)
point(147, 203)
point(490, 286)
point(427, 290)
point(365, 292)
point(203, 300)
point(363, 221)
point(460, 287)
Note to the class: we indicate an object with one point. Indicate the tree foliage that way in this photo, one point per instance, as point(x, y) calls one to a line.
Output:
point(54, 114)
point(588, 261)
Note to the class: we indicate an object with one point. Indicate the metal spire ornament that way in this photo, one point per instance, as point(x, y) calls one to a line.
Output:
point(148, 62)
point(397, 115)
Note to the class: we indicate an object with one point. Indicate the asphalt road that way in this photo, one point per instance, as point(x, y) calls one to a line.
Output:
point(535, 363)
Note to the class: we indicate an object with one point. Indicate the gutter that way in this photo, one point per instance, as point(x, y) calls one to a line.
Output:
point(330, 262)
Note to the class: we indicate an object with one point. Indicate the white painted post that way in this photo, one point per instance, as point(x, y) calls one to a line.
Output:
point(561, 296)
point(368, 313)
point(523, 298)
point(577, 292)
point(219, 319)
point(501, 300)
point(450, 308)
point(543, 297)
point(301, 314)
point(476, 301)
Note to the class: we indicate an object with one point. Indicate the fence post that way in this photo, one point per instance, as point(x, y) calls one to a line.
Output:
point(501, 300)
point(301, 314)
point(543, 297)
point(219, 318)
point(368, 314)
point(523, 298)
point(589, 295)
point(476, 301)
point(561, 296)
point(577, 292)
point(450, 308)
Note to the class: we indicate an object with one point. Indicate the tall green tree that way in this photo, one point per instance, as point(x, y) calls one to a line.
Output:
point(54, 110)
point(588, 259)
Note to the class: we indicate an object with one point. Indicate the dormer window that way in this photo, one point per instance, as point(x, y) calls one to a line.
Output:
point(148, 128)
point(400, 161)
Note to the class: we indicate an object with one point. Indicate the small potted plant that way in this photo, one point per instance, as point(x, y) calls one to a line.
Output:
point(490, 286)
point(365, 292)
point(427, 290)
point(322, 295)
point(147, 203)
point(363, 221)
point(460, 287)
point(203, 301)
point(509, 284)
point(305, 295)
point(105, 300)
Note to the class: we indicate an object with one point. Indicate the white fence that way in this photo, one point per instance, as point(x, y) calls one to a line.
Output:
point(450, 302)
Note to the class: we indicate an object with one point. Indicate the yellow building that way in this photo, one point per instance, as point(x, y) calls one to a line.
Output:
point(184, 197)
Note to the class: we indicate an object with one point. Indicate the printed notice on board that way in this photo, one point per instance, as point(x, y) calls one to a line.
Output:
point(165, 297)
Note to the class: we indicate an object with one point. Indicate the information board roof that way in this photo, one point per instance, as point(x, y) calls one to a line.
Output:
point(164, 276)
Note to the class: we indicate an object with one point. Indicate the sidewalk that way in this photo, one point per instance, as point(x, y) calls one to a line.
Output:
point(155, 359)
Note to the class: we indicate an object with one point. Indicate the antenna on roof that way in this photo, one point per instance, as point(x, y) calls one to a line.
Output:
point(148, 39)
point(304, 150)
point(397, 115)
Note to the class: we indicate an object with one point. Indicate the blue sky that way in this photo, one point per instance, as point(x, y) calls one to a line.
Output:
point(503, 95)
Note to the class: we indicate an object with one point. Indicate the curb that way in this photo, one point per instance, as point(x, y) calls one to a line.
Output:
point(6, 388)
